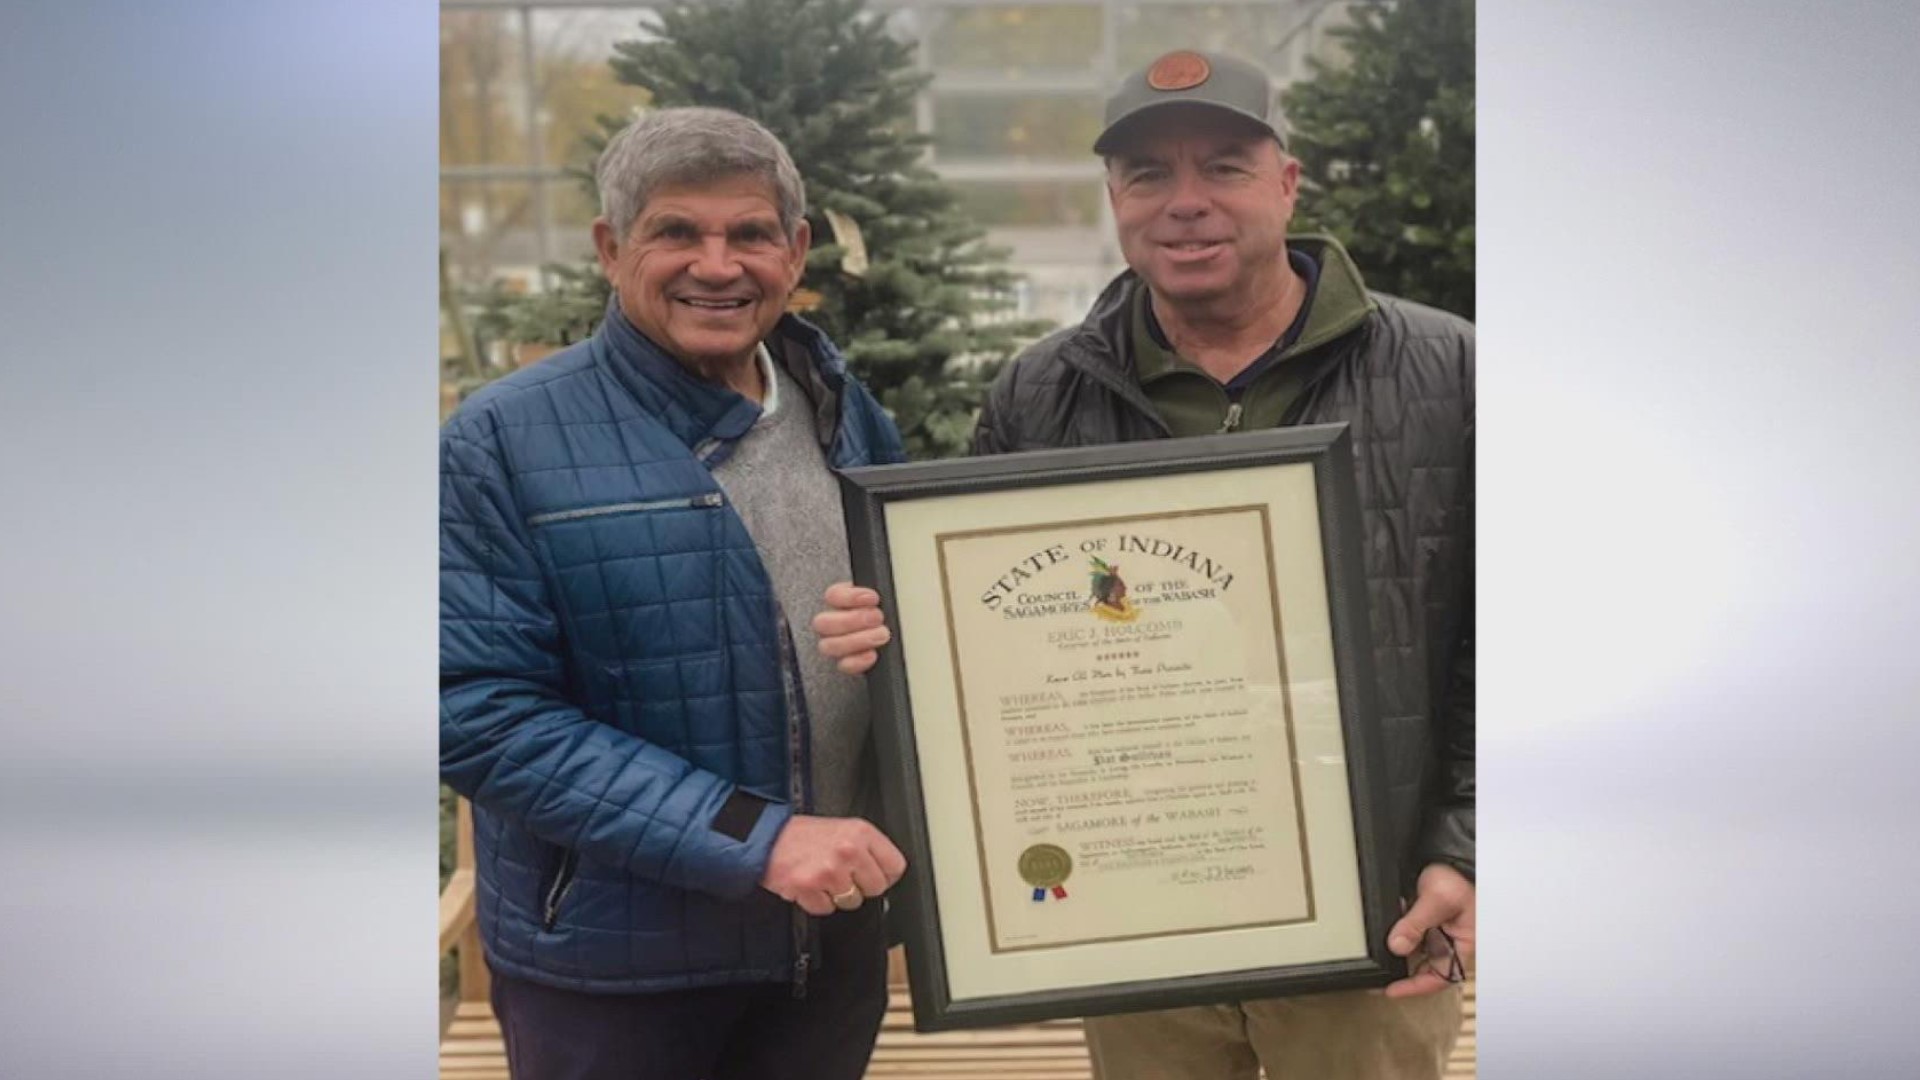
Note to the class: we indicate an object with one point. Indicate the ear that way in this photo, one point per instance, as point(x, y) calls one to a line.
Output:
point(606, 245)
point(1289, 182)
point(1290, 175)
point(797, 251)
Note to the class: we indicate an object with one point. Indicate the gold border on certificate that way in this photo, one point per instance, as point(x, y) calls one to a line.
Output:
point(989, 879)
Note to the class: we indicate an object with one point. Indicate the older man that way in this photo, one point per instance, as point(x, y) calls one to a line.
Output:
point(1225, 324)
point(668, 778)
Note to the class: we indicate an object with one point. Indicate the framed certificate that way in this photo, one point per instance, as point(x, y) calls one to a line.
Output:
point(1125, 730)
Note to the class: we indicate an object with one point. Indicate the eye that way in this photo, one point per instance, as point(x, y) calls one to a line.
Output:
point(679, 232)
point(753, 235)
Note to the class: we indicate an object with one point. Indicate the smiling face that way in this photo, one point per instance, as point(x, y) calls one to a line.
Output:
point(706, 270)
point(1201, 202)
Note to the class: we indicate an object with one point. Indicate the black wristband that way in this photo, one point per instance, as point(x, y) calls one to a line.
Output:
point(739, 814)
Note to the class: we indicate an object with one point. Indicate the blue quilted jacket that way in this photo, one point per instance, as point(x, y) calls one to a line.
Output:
point(618, 696)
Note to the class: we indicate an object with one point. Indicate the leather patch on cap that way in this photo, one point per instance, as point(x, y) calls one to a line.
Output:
point(1178, 71)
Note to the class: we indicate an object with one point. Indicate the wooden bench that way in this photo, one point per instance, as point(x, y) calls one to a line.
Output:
point(472, 1048)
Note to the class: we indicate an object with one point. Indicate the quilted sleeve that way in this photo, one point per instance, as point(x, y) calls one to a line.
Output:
point(513, 743)
point(1447, 835)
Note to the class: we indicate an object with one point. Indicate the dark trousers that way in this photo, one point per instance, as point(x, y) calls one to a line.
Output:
point(758, 1032)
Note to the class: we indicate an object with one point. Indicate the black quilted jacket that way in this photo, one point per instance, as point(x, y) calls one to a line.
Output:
point(1402, 378)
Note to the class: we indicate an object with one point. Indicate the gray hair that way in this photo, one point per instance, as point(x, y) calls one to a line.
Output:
point(693, 145)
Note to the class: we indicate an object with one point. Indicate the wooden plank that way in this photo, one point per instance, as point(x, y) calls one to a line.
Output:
point(476, 983)
point(902, 1020)
point(1013, 1069)
point(462, 834)
point(1010, 1036)
point(456, 909)
point(991, 1075)
point(1001, 1065)
point(979, 1054)
point(472, 1029)
point(980, 1073)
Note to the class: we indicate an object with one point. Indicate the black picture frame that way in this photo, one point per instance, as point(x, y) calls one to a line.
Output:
point(867, 492)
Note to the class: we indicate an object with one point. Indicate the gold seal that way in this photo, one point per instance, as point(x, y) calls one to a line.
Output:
point(1045, 866)
point(1179, 71)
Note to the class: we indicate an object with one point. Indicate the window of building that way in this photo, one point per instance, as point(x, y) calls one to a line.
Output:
point(1016, 126)
point(1143, 31)
point(1033, 202)
point(1017, 38)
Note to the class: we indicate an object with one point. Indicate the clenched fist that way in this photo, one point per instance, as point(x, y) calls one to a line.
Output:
point(825, 863)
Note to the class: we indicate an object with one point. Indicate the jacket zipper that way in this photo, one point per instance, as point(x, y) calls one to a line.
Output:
point(1232, 421)
point(796, 787)
point(710, 499)
point(557, 892)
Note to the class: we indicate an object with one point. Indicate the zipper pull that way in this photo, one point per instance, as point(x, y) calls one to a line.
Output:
point(557, 892)
point(800, 966)
point(1232, 421)
point(711, 498)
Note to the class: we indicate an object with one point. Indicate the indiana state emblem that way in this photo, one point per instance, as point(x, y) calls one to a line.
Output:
point(1110, 593)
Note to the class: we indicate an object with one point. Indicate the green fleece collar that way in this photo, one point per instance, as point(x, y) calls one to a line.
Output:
point(1340, 302)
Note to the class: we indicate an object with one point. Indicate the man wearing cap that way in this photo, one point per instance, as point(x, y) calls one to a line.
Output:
point(1224, 324)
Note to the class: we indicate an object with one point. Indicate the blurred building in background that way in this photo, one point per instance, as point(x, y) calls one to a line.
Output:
point(1013, 108)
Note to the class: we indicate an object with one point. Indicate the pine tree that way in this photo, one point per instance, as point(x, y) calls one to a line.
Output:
point(1385, 141)
point(827, 78)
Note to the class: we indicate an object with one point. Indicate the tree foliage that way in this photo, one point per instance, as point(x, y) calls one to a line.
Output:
point(921, 322)
point(1385, 141)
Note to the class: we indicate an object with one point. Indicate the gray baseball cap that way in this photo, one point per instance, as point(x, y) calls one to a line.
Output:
point(1189, 77)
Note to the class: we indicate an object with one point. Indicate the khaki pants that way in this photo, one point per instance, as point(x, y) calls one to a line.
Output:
point(1357, 1035)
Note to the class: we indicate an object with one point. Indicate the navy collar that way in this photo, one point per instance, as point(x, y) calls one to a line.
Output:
point(694, 409)
point(697, 411)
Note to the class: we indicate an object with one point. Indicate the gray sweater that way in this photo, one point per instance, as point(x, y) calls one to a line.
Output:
point(778, 480)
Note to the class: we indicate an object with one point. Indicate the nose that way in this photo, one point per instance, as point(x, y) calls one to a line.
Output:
point(715, 264)
point(1189, 199)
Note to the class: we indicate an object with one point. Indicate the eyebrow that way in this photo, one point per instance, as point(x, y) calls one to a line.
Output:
point(667, 219)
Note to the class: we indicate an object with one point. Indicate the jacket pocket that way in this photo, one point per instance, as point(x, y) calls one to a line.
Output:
point(568, 542)
point(558, 884)
point(705, 500)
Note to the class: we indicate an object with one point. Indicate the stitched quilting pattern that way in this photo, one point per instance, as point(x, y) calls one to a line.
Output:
point(610, 675)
